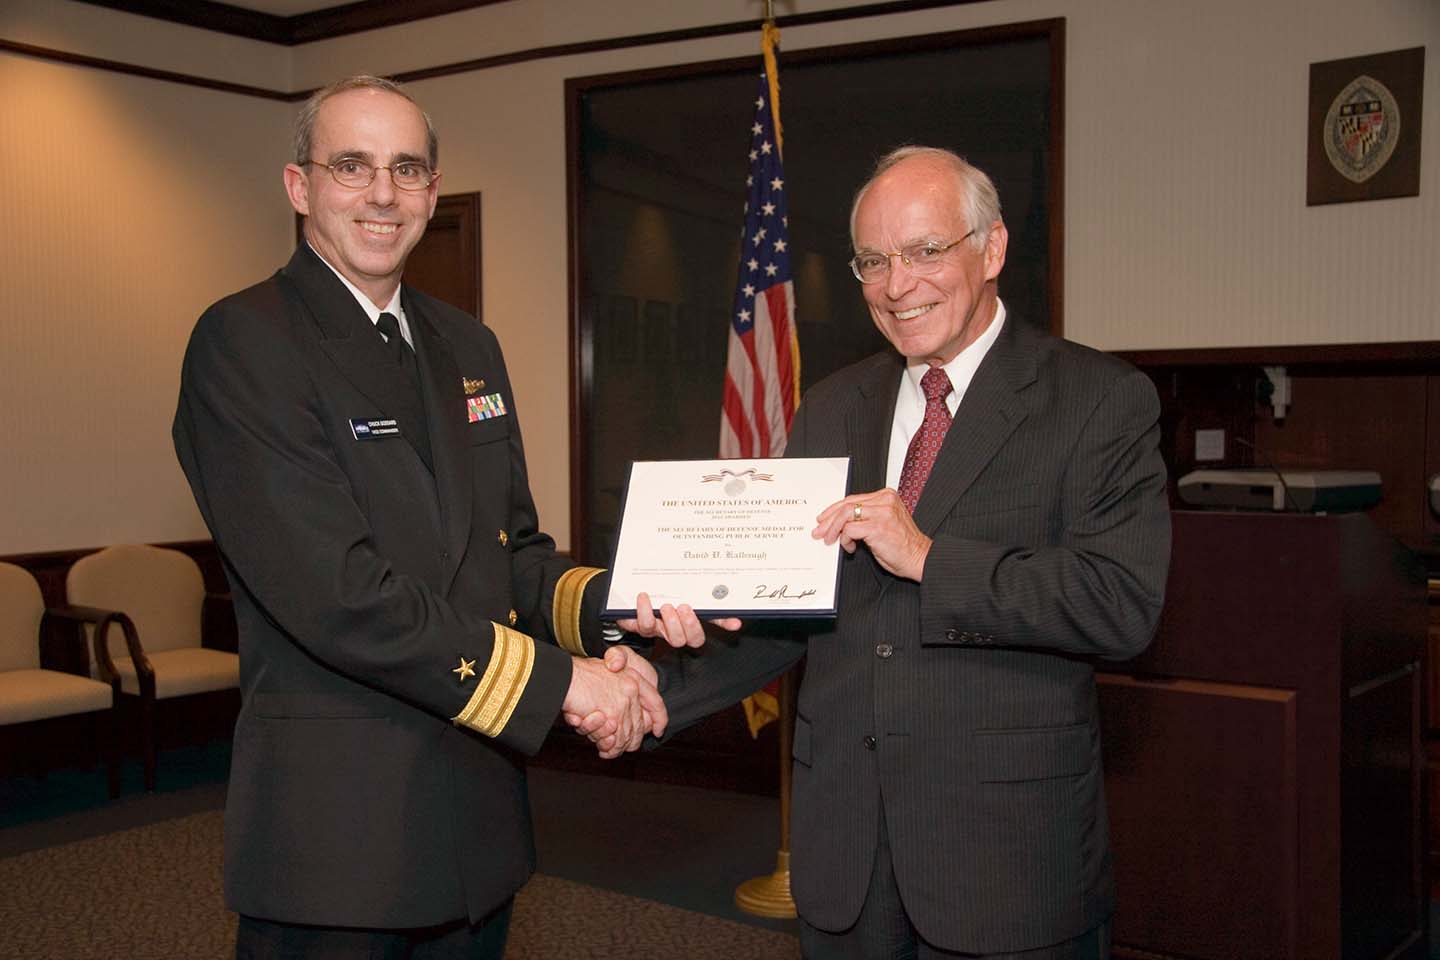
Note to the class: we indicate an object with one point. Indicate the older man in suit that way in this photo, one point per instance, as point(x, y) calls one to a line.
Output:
point(406, 630)
point(1007, 524)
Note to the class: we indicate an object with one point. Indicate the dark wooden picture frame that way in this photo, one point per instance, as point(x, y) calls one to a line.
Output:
point(654, 214)
point(1365, 127)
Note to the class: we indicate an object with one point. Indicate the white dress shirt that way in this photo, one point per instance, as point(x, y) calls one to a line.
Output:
point(372, 311)
point(910, 402)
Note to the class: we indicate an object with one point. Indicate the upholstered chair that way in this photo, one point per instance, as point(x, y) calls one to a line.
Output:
point(47, 694)
point(168, 657)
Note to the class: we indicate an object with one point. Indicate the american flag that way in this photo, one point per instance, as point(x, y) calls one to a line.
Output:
point(762, 373)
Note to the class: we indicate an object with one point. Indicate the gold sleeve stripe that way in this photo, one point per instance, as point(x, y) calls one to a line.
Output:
point(569, 595)
point(499, 690)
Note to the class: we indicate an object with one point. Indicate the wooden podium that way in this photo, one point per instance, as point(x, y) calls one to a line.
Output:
point(1264, 759)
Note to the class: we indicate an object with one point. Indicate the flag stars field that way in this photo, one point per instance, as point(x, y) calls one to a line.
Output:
point(762, 368)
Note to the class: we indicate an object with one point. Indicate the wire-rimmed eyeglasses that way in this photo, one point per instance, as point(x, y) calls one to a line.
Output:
point(872, 266)
point(358, 174)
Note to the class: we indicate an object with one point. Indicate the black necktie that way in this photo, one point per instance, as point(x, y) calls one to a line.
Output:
point(404, 356)
point(400, 351)
point(390, 327)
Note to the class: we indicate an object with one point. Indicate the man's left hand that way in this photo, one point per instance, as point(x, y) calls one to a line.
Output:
point(677, 626)
point(886, 527)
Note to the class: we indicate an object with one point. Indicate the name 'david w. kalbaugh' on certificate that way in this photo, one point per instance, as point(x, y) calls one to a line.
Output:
point(728, 537)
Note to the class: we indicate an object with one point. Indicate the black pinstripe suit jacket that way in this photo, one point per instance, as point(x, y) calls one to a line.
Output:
point(1051, 531)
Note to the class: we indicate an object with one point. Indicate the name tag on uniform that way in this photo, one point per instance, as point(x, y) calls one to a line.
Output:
point(484, 408)
point(364, 429)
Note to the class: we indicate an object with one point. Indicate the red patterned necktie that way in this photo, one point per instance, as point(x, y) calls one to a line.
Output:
point(925, 445)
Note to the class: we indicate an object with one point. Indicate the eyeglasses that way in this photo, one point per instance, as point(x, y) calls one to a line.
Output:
point(922, 258)
point(357, 174)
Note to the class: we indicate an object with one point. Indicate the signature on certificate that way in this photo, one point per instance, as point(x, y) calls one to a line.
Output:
point(766, 592)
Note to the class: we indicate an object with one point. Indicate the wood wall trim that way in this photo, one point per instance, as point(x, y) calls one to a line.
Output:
point(336, 21)
point(208, 15)
point(1414, 354)
point(169, 76)
point(464, 66)
point(371, 15)
point(52, 558)
point(1055, 176)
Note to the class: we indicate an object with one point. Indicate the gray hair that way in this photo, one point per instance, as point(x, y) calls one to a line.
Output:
point(305, 119)
point(980, 203)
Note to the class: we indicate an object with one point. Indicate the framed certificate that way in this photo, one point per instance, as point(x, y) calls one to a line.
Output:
point(728, 537)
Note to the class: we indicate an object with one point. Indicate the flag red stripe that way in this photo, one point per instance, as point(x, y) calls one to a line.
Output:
point(759, 385)
point(778, 300)
point(734, 409)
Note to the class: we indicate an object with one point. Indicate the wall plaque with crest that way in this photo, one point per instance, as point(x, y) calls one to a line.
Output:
point(1365, 127)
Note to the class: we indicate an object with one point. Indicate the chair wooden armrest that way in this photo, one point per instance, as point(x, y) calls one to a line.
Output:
point(102, 619)
point(218, 630)
point(63, 646)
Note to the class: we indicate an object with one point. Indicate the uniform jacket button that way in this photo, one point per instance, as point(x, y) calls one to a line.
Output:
point(883, 650)
point(950, 634)
point(504, 538)
point(514, 617)
point(869, 742)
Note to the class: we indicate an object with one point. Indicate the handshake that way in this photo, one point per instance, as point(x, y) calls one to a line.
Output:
point(616, 701)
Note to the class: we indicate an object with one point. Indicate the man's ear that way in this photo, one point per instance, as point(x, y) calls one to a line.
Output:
point(434, 190)
point(995, 243)
point(297, 188)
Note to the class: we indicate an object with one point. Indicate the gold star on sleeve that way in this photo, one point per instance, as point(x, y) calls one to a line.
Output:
point(500, 688)
point(466, 669)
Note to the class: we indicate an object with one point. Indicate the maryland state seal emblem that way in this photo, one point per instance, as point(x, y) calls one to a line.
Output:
point(1361, 129)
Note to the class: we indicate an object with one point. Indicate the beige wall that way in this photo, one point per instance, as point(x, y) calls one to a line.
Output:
point(1186, 222)
point(130, 206)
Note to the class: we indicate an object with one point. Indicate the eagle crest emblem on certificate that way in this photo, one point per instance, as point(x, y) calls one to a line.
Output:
point(734, 484)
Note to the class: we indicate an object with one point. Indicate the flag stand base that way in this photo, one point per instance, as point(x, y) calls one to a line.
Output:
point(769, 896)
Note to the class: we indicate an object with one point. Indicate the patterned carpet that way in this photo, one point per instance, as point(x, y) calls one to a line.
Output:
point(154, 892)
